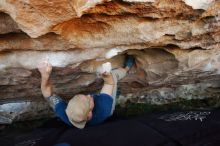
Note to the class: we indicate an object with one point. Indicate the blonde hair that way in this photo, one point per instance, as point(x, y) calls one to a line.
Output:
point(77, 110)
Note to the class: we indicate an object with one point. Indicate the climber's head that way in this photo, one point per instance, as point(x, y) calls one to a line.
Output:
point(79, 110)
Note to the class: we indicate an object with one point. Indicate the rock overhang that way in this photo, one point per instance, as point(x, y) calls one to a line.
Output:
point(175, 43)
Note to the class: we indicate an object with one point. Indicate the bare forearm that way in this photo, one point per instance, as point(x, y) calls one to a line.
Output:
point(108, 86)
point(108, 89)
point(45, 69)
point(46, 87)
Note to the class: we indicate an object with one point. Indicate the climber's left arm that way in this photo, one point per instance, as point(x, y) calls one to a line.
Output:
point(55, 102)
point(59, 107)
point(45, 69)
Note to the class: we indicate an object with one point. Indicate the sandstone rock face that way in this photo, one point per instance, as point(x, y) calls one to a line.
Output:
point(176, 44)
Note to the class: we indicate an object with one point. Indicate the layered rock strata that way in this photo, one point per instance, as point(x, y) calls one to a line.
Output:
point(175, 43)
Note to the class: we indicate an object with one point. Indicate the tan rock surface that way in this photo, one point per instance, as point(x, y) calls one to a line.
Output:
point(7, 25)
point(176, 44)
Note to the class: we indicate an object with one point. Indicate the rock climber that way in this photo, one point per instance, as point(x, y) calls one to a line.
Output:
point(82, 109)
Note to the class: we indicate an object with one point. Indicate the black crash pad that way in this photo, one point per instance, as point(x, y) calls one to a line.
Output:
point(170, 128)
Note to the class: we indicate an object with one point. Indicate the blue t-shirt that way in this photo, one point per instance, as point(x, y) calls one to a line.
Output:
point(101, 111)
